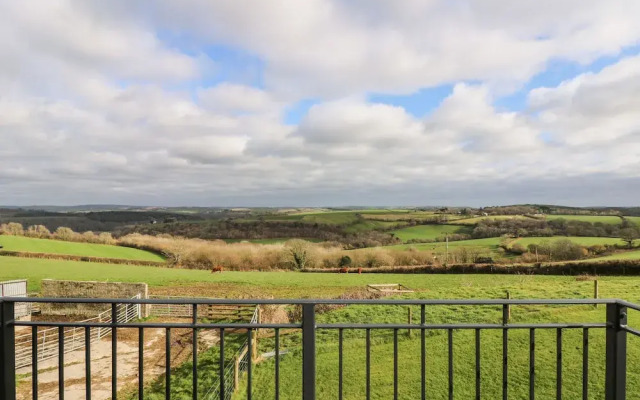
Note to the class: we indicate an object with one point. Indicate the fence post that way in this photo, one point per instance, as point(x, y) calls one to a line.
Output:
point(308, 352)
point(596, 292)
point(7, 351)
point(409, 320)
point(616, 348)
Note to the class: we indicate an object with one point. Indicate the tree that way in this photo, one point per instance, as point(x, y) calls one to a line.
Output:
point(628, 235)
point(38, 231)
point(345, 261)
point(297, 252)
point(64, 233)
point(12, 228)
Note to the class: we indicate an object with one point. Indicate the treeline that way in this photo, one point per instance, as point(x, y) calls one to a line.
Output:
point(61, 233)
point(521, 227)
point(248, 230)
point(96, 221)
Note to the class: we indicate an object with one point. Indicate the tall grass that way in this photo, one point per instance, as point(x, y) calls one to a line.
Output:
point(204, 254)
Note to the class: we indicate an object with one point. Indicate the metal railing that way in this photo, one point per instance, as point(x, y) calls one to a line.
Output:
point(47, 340)
point(615, 327)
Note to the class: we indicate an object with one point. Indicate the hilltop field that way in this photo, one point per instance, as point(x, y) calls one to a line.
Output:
point(246, 239)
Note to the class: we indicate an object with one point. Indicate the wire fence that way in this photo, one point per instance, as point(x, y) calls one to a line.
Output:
point(241, 360)
point(74, 337)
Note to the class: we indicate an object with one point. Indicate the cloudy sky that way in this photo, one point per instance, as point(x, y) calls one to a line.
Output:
point(320, 102)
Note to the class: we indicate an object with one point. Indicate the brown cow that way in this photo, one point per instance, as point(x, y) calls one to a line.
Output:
point(343, 271)
point(217, 268)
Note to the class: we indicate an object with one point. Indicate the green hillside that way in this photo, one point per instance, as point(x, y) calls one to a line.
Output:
point(32, 245)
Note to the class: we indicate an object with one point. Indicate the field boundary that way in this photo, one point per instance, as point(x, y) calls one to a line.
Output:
point(69, 257)
point(613, 268)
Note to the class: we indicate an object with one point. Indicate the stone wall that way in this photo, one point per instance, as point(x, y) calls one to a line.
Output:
point(87, 289)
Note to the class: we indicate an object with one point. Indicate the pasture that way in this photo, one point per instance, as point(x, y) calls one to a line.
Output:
point(49, 246)
point(182, 282)
point(429, 232)
point(475, 220)
point(603, 219)
point(494, 242)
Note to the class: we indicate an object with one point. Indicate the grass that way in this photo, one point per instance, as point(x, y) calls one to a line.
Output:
point(475, 220)
point(629, 255)
point(604, 219)
point(634, 220)
point(582, 241)
point(463, 344)
point(493, 243)
point(282, 284)
point(488, 243)
point(270, 241)
point(32, 245)
point(429, 232)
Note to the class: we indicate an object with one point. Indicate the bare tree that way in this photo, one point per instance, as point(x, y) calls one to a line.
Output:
point(628, 235)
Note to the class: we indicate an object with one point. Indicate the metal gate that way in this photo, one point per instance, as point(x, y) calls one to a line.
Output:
point(16, 288)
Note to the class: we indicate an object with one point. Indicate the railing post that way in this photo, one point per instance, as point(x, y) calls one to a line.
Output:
point(308, 352)
point(7, 351)
point(616, 364)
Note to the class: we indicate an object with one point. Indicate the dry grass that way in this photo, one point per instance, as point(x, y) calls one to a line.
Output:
point(205, 254)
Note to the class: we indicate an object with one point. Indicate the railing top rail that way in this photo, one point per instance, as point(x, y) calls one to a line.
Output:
point(443, 302)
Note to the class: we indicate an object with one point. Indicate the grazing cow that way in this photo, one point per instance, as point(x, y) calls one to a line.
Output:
point(359, 271)
point(217, 268)
point(343, 271)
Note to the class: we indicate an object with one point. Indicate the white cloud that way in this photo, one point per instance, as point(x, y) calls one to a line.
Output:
point(93, 100)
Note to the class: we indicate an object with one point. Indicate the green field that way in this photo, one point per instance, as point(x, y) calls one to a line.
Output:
point(298, 285)
point(630, 255)
point(429, 232)
point(634, 220)
point(582, 241)
point(475, 220)
point(604, 219)
point(31, 245)
point(494, 243)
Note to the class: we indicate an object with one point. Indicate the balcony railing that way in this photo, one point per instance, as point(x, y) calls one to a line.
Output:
point(615, 327)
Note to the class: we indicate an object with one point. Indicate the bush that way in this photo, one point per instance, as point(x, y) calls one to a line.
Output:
point(345, 261)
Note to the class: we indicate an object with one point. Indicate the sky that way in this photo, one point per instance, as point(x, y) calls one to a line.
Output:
point(320, 102)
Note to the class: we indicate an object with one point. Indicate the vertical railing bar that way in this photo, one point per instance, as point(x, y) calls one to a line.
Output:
point(194, 353)
point(7, 351)
point(478, 376)
point(450, 346)
point(559, 364)
point(140, 363)
point(34, 362)
point(308, 352)
point(340, 354)
point(87, 362)
point(249, 362)
point(616, 352)
point(167, 364)
point(61, 363)
point(277, 377)
point(585, 364)
point(395, 364)
point(505, 352)
point(221, 364)
point(368, 364)
point(114, 351)
point(423, 353)
point(532, 364)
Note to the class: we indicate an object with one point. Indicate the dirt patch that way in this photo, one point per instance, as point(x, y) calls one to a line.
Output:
point(127, 352)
